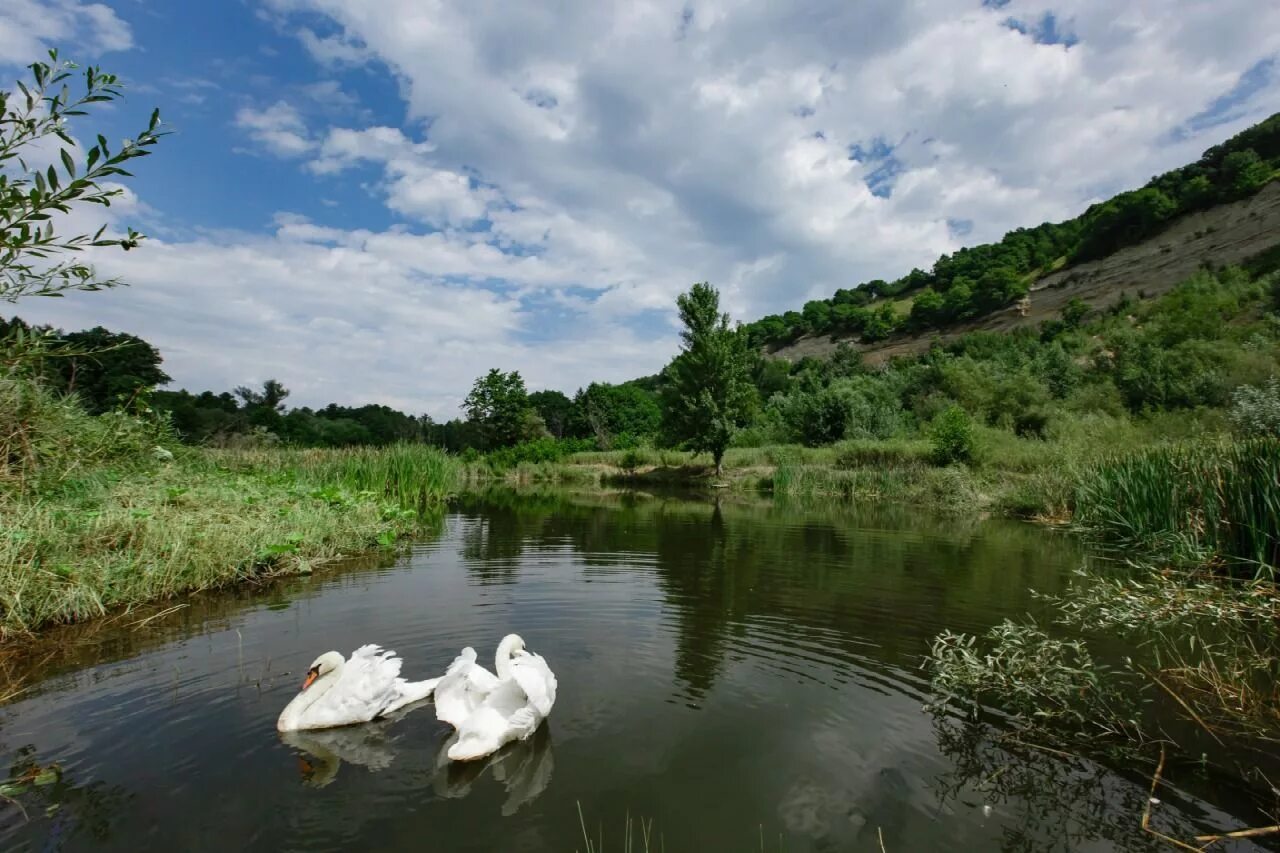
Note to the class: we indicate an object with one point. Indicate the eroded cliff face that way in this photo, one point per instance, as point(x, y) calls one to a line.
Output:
point(1221, 236)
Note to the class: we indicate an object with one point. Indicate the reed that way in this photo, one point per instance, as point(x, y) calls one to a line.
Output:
point(1217, 502)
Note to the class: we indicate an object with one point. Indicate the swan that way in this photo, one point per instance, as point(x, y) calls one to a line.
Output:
point(341, 692)
point(489, 711)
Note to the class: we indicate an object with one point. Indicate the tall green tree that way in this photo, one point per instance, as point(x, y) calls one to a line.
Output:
point(555, 409)
point(107, 369)
point(608, 412)
point(499, 405)
point(33, 119)
point(271, 396)
point(710, 394)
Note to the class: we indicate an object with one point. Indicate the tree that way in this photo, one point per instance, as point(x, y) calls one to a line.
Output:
point(608, 412)
point(106, 369)
point(499, 405)
point(31, 195)
point(710, 395)
point(554, 408)
point(271, 396)
point(1244, 172)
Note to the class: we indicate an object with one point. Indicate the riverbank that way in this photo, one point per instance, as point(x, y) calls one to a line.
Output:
point(1005, 474)
point(107, 512)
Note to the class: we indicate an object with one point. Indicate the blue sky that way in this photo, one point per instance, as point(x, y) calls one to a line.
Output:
point(377, 201)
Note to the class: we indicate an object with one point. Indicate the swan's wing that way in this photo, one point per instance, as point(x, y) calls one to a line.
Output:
point(502, 717)
point(369, 683)
point(537, 681)
point(462, 688)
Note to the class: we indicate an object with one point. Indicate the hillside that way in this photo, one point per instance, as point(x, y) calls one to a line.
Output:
point(1220, 236)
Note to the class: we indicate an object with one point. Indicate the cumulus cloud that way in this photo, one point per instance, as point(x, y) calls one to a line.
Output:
point(354, 316)
point(28, 28)
point(716, 137)
point(278, 129)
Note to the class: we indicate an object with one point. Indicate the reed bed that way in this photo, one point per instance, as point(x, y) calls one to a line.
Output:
point(1216, 502)
point(414, 476)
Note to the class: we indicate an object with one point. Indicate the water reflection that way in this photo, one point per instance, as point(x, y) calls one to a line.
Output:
point(522, 768)
point(826, 581)
point(323, 751)
point(1045, 801)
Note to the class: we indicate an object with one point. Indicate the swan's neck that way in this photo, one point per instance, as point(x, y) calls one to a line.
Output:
point(296, 711)
point(502, 660)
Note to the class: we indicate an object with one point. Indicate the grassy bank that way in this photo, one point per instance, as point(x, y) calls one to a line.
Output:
point(99, 513)
point(1004, 474)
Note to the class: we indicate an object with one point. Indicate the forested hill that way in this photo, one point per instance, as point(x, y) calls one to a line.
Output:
point(977, 281)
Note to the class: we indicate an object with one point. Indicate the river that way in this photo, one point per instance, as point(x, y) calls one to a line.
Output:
point(737, 676)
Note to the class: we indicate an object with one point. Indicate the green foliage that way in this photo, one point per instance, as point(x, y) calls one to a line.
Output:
point(1255, 411)
point(1195, 503)
point(615, 414)
point(499, 406)
point(1021, 669)
point(710, 392)
point(33, 118)
point(951, 435)
point(555, 409)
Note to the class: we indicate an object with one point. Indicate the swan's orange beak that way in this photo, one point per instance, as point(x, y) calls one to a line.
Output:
point(311, 676)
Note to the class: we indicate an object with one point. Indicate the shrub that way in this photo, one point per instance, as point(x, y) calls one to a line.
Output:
point(631, 460)
point(952, 436)
point(1256, 411)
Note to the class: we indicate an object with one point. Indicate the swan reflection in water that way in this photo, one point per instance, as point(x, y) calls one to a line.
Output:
point(523, 768)
point(322, 751)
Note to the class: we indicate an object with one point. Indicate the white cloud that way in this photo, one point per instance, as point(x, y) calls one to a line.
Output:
point(279, 128)
point(352, 316)
point(735, 120)
point(28, 28)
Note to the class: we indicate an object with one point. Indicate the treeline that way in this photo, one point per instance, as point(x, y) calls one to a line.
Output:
point(1212, 343)
point(977, 280)
point(108, 370)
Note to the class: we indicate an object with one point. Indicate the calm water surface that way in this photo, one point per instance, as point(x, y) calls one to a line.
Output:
point(747, 677)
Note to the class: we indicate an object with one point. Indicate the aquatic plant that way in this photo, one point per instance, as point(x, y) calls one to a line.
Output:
point(1021, 669)
point(1215, 502)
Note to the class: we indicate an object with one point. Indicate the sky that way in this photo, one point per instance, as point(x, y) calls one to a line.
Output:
point(376, 201)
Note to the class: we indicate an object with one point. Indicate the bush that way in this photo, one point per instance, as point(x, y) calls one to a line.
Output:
point(1256, 411)
point(631, 460)
point(952, 436)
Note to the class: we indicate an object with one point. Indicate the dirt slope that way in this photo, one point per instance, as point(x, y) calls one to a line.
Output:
point(1227, 234)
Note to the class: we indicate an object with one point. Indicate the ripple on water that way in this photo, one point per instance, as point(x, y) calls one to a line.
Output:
point(728, 671)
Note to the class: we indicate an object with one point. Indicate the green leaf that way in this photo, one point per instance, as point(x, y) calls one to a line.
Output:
point(47, 776)
point(68, 163)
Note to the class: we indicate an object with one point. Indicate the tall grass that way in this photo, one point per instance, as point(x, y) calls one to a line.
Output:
point(415, 476)
point(100, 513)
point(1213, 502)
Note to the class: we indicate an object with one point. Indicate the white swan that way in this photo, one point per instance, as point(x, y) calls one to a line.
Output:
point(341, 692)
point(489, 711)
